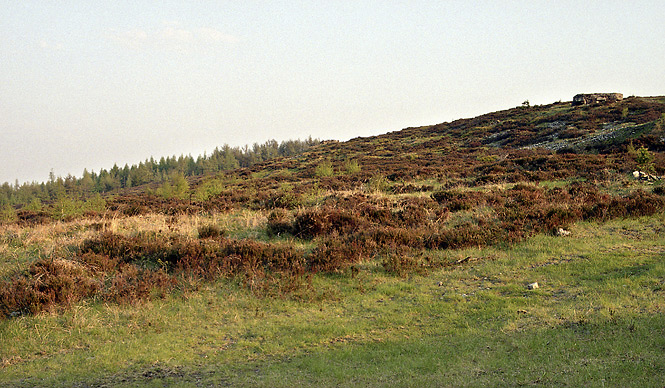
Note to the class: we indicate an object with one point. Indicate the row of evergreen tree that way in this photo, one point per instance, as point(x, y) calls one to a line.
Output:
point(148, 171)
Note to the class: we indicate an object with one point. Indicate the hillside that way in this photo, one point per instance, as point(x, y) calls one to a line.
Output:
point(494, 179)
point(523, 144)
point(475, 202)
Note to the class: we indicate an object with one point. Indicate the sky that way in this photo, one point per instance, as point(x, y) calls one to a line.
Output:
point(89, 84)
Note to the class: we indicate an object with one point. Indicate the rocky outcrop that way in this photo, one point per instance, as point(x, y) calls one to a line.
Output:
point(597, 98)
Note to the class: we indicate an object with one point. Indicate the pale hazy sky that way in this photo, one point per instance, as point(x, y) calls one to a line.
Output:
point(86, 84)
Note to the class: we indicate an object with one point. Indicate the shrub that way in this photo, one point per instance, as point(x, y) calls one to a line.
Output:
point(334, 255)
point(176, 186)
point(641, 203)
point(29, 217)
point(210, 231)
point(400, 263)
point(644, 160)
point(377, 184)
point(65, 209)
point(7, 214)
point(279, 222)
point(351, 166)
point(395, 237)
point(557, 217)
point(310, 224)
point(456, 200)
point(95, 204)
point(324, 169)
point(132, 284)
point(286, 200)
point(47, 284)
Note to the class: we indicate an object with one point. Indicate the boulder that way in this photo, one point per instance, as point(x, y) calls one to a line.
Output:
point(597, 98)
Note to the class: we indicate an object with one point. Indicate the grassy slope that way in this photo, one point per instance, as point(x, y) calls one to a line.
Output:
point(597, 320)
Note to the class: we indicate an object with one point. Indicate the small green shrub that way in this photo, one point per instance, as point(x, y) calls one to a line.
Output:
point(378, 184)
point(351, 167)
point(324, 169)
point(35, 205)
point(67, 208)
point(644, 160)
point(487, 158)
point(95, 204)
point(209, 189)
point(7, 214)
point(174, 187)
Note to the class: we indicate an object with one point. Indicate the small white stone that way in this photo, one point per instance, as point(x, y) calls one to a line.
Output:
point(562, 232)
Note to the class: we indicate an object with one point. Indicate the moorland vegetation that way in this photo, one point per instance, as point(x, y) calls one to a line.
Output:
point(405, 204)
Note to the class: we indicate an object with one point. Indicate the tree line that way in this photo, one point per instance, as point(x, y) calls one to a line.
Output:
point(148, 171)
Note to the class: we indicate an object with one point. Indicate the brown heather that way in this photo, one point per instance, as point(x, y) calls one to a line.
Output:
point(469, 183)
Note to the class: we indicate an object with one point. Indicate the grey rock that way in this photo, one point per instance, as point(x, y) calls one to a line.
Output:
point(596, 98)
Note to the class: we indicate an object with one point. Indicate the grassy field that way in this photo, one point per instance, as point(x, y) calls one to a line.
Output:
point(596, 320)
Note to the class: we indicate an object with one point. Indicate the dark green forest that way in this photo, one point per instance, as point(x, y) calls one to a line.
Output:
point(92, 184)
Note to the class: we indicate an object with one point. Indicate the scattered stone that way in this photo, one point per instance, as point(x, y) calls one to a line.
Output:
point(533, 286)
point(562, 232)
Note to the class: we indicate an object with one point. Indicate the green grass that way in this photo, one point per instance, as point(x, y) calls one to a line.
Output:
point(596, 320)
